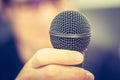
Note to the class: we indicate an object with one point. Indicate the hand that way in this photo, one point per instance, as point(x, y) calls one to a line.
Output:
point(54, 64)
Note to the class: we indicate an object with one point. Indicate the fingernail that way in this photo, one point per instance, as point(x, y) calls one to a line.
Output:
point(78, 57)
point(89, 76)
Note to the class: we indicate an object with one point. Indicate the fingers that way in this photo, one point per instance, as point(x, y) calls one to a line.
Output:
point(40, 66)
point(57, 72)
point(56, 56)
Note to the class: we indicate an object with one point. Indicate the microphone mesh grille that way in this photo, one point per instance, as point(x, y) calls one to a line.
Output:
point(70, 22)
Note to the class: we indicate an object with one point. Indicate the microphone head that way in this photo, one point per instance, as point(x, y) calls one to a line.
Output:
point(70, 30)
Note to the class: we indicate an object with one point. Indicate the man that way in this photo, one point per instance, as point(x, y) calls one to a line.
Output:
point(30, 21)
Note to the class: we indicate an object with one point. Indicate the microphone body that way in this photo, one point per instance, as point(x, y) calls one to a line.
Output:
point(70, 30)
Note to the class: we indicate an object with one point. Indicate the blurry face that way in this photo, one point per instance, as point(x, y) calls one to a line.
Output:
point(31, 20)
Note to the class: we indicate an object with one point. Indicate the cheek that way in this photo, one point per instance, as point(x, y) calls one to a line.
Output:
point(22, 24)
point(32, 27)
point(31, 30)
point(29, 22)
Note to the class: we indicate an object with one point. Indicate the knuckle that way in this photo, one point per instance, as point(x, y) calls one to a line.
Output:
point(25, 74)
point(88, 76)
point(80, 75)
point(39, 51)
point(24, 77)
point(42, 51)
point(51, 71)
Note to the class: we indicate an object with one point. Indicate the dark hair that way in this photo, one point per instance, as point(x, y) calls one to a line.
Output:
point(3, 4)
point(6, 2)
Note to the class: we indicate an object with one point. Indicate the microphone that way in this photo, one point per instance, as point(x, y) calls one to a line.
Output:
point(70, 30)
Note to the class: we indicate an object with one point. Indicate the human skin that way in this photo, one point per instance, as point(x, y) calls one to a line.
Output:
point(54, 64)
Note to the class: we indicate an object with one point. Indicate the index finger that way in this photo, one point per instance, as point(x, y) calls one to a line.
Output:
point(56, 56)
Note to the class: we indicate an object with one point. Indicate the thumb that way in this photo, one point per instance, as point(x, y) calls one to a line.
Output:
point(55, 56)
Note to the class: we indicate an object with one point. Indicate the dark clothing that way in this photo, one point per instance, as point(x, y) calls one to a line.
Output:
point(104, 64)
point(10, 63)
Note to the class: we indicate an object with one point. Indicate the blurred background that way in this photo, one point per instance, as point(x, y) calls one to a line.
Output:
point(104, 17)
